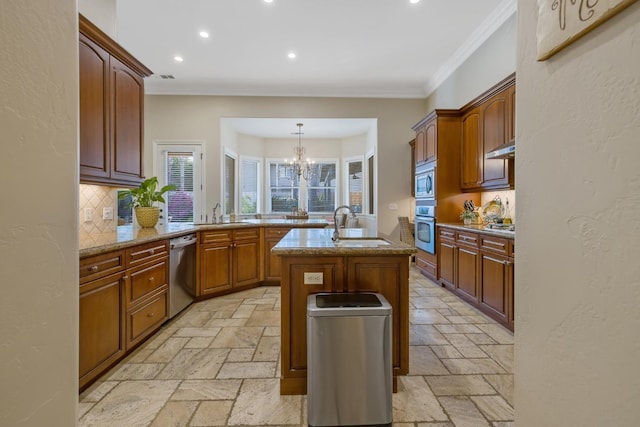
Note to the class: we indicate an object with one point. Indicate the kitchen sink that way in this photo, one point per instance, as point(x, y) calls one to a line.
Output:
point(360, 243)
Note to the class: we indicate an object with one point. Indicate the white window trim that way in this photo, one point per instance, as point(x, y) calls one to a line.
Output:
point(369, 191)
point(226, 151)
point(198, 148)
point(260, 187)
point(346, 178)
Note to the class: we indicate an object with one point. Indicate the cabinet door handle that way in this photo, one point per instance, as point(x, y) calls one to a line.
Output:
point(506, 262)
point(93, 268)
point(125, 277)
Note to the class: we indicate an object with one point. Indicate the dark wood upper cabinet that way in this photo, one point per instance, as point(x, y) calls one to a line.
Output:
point(111, 110)
point(488, 122)
point(426, 142)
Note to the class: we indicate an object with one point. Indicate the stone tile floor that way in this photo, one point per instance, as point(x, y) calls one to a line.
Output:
point(218, 364)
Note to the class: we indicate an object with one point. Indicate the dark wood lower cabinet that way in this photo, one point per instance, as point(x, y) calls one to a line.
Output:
point(479, 269)
point(497, 280)
point(124, 298)
point(468, 274)
point(101, 326)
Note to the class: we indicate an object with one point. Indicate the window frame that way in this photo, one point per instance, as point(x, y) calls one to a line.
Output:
point(347, 181)
point(227, 208)
point(197, 147)
point(259, 187)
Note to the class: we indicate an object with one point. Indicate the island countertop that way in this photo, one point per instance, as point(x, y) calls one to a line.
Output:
point(353, 241)
point(128, 235)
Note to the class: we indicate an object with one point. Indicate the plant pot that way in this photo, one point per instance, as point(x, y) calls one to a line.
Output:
point(468, 221)
point(147, 217)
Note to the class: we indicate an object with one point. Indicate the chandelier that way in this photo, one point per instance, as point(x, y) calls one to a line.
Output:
point(298, 165)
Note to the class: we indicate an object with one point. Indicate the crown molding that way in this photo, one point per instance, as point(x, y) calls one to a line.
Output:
point(503, 12)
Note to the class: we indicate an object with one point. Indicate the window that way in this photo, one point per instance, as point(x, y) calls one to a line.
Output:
point(321, 188)
point(288, 192)
point(371, 183)
point(284, 188)
point(180, 164)
point(249, 185)
point(354, 184)
point(229, 189)
point(179, 203)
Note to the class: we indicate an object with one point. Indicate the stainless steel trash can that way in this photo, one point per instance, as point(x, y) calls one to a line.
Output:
point(349, 366)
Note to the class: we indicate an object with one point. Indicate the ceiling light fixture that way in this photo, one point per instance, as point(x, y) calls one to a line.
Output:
point(268, 1)
point(414, 1)
point(204, 34)
point(299, 166)
point(291, 55)
point(178, 58)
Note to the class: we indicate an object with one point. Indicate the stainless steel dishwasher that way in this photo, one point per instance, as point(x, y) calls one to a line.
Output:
point(182, 273)
point(349, 367)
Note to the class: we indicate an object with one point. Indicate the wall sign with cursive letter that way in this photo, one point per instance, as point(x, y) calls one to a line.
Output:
point(561, 22)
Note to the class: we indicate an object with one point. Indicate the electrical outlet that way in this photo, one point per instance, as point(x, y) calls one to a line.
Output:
point(107, 213)
point(393, 206)
point(88, 214)
point(313, 278)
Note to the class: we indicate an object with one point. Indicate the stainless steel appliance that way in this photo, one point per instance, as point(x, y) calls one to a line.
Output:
point(182, 273)
point(425, 223)
point(425, 182)
point(349, 360)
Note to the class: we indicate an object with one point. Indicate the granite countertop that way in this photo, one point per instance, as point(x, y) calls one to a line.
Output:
point(480, 229)
point(354, 241)
point(128, 235)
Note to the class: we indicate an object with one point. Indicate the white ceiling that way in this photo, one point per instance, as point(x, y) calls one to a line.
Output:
point(345, 48)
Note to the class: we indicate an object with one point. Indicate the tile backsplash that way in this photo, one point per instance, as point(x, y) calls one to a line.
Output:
point(95, 198)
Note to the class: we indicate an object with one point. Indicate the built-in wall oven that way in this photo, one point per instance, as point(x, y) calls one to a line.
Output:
point(425, 182)
point(425, 220)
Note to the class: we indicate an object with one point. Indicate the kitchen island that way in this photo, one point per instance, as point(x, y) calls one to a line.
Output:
point(311, 263)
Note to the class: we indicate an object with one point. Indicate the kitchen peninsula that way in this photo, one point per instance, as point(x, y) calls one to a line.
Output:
point(355, 263)
point(124, 293)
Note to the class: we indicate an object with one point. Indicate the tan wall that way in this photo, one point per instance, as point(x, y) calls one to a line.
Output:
point(39, 227)
point(577, 277)
point(198, 117)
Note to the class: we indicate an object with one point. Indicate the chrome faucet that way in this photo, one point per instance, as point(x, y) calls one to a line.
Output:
point(336, 234)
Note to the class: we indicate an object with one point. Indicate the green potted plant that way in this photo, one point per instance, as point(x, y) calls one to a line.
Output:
point(470, 213)
point(144, 199)
point(469, 217)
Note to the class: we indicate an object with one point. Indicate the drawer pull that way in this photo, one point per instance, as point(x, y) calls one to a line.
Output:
point(152, 251)
point(93, 268)
point(152, 279)
point(151, 314)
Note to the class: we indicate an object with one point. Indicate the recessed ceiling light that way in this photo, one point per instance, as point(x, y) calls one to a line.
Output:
point(268, 1)
point(414, 1)
point(204, 34)
point(178, 58)
point(291, 55)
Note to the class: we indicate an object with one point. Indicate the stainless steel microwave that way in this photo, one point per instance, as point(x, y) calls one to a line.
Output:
point(425, 183)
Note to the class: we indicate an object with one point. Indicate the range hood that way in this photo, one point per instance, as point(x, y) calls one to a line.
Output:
point(503, 152)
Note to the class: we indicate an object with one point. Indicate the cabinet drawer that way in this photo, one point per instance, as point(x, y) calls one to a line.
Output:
point(275, 232)
point(246, 234)
point(146, 280)
point(143, 320)
point(465, 238)
point(495, 244)
point(98, 266)
point(217, 236)
point(141, 254)
point(448, 234)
